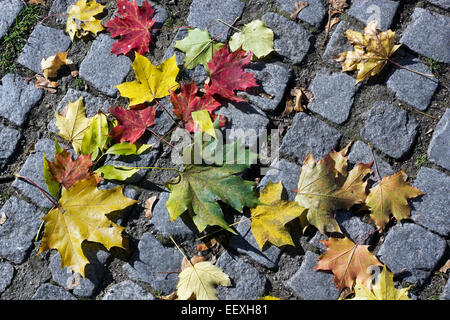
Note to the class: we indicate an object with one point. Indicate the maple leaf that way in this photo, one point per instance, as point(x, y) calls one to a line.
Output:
point(227, 74)
point(68, 172)
point(198, 47)
point(81, 16)
point(132, 123)
point(348, 261)
point(151, 82)
point(133, 25)
point(95, 137)
point(73, 124)
point(391, 196)
point(269, 217)
point(322, 190)
point(198, 188)
point(372, 51)
point(187, 101)
point(81, 216)
point(254, 37)
point(52, 64)
point(200, 280)
point(383, 289)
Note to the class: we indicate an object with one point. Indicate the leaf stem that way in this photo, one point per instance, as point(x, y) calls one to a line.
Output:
point(229, 25)
point(157, 168)
point(231, 225)
point(45, 193)
point(410, 70)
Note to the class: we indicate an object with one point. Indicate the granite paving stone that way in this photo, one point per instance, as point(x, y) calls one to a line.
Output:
point(439, 149)
point(18, 231)
point(181, 228)
point(94, 272)
point(7, 274)
point(333, 95)
point(307, 135)
point(9, 138)
point(432, 209)
point(10, 10)
point(17, 98)
point(311, 284)
point(245, 122)
point(413, 251)
point(49, 291)
point(151, 262)
point(338, 42)
point(313, 13)
point(61, 7)
point(286, 172)
point(103, 69)
point(127, 290)
point(291, 40)
point(391, 129)
point(360, 153)
point(441, 3)
point(273, 79)
point(381, 10)
point(205, 13)
point(247, 283)
point(244, 242)
point(446, 292)
point(42, 43)
point(428, 34)
point(32, 169)
point(414, 89)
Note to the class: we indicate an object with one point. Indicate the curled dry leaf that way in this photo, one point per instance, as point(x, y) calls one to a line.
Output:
point(45, 84)
point(444, 268)
point(299, 6)
point(207, 245)
point(2, 218)
point(37, 2)
point(52, 64)
point(330, 25)
point(148, 207)
point(185, 263)
point(171, 296)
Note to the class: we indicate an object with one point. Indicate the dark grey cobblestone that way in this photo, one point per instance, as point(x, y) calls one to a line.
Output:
point(446, 292)
point(42, 43)
point(127, 290)
point(432, 209)
point(439, 149)
point(390, 129)
point(333, 95)
point(311, 284)
point(286, 172)
point(307, 135)
point(382, 10)
point(51, 292)
point(411, 251)
point(291, 40)
point(10, 9)
point(19, 229)
point(428, 34)
point(313, 13)
point(441, 3)
point(412, 88)
point(247, 283)
point(7, 274)
point(338, 42)
point(9, 139)
point(205, 13)
point(103, 69)
point(17, 98)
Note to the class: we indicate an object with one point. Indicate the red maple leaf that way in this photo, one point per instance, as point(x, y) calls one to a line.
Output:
point(187, 102)
point(133, 25)
point(68, 172)
point(227, 74)
point(132, 123)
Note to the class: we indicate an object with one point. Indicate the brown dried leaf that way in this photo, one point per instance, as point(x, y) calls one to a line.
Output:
point(52, 64)
point(195, 259)
point(333, 21)
point(337, 6)
point(43, 83)
point(299, 6)
point(207, 245)
point(37, 2)
point(289, 107)
point(444, 268)
point(266, 95)
point(148, 207)
point(2, 218)
point(171, 296)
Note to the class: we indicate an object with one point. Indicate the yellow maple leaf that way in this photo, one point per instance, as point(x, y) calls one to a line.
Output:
point(81, 17)
point(200, 279)
point(391, 196)
point(270, 217)
point(151, 82)
point(371, 51)
point(72, 126)
point(51, 65)
point(382, 290)
point(81, 216)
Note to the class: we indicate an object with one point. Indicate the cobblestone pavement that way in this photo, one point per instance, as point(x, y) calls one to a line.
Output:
point(404, 116)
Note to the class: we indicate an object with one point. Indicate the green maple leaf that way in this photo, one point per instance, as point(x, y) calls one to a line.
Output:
point(198, 47)
point(255, 37)
point(199, 188)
